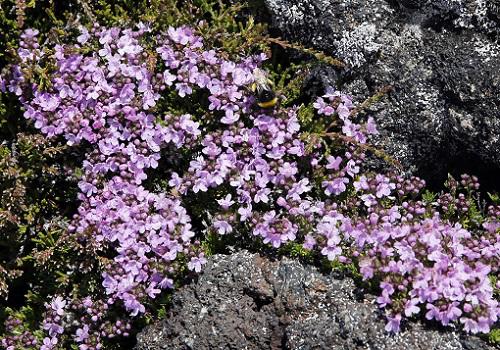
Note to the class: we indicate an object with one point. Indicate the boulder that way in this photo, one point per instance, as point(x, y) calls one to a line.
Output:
point(442, 58)
point(245, 301)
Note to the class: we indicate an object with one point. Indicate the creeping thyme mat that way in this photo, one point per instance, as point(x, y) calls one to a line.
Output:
point(158, 180)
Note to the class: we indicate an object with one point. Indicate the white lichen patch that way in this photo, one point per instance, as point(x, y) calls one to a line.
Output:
point(486, 49)
point(356, 45)
point(471, 13)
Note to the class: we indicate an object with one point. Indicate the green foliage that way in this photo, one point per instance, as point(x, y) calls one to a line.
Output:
point(429, 197)
point(213, 244)
point(494, 336)
point(494, 197)
point(160, 308)
point(220, 23)
point(37, 190)
point(297, 251)
point(112, 13)
point(288, 79)
point(9, 29)
point(35, 195)
point(306, 115)
point(474, 216)
point(222, 26)
point(343, 269)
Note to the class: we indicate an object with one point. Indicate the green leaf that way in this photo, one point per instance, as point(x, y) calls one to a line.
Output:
point(494, 197)
point(429, 197)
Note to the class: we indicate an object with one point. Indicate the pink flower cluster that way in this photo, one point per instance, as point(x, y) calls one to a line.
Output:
point(260, 173)
point(106, 99)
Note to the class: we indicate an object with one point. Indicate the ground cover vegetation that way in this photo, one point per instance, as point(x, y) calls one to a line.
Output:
point(133, 149)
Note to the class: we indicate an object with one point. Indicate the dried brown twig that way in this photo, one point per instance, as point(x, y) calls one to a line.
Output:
point(316, 53)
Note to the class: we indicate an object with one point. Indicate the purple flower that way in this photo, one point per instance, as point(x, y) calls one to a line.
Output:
point(181, 35)
point(169, 78)
point(333, 162)
point(273, 238)
point(323, 107)
point(411, 307)
point(47, 102)
point(309, 242)
point(384, 189)
point(58, 304)
point(262, 195)
point(451, 314)
point(245, 212)
point(210, 57)
point(132, 304)
point(196, 263)
point(432, 311)
point(393, 323)
point(241, 77)
point(84, 35)
point(82, 334)
point(226, 202)
point(222, 227)
point(226, 68)
point(201, 184)
point(470, 325)
point(230, 116)
point(371, 126)
point(297, 148)
point(331, 251)
point(210, 149)
point(344, 112)
point(215, 103)
point(361, 184)
point(369, 200)
point(53, 329)
point(48, 343)
point(351, 168)
point(183, 89)
point(384, 299)
point(350, 129)
point(366, 268)
point(336, 186)
point(29, 34)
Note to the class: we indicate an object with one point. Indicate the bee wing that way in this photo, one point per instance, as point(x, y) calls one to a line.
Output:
point(259, 75)
point(261, 81)
point(262, 86)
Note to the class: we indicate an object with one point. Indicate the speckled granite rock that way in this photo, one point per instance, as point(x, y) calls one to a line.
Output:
point(243, 301)
point(442, 58)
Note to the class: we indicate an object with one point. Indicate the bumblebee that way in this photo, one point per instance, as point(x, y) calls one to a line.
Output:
point(262, 89)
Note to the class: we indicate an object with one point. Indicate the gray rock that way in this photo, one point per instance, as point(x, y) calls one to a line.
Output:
point(244, 301)
point(441, 57)
point(478, 14)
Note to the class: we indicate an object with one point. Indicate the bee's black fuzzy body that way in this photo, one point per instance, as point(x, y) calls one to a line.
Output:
point(263, 91)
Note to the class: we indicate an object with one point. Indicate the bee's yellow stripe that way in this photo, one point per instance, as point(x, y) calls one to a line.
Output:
point(268, 104)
